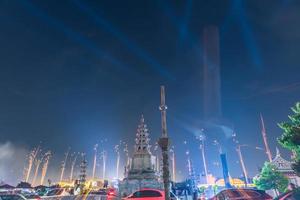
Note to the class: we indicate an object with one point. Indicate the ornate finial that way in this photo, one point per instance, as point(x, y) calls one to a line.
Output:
point(142, 119)
point(277, 152)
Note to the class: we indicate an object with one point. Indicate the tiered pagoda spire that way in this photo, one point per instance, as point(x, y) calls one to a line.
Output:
point(142, 140)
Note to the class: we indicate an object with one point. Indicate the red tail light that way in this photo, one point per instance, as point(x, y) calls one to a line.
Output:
point(111, 193)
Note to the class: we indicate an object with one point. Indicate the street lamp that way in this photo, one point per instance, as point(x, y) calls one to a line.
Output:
point(238, 149)
point(216, 143)
point(201, 138)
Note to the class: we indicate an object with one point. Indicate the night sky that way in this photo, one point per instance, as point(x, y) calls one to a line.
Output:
point(73, 73)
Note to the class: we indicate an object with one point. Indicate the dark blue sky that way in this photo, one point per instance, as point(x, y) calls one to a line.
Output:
point(75, 72)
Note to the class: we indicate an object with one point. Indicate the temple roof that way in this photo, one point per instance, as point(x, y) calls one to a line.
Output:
point(281, 164)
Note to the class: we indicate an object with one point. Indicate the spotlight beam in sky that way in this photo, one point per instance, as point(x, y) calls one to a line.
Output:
point(183, 31)
point(237, 12)
point(190, 39)
point(34, 10)
point(131, 45)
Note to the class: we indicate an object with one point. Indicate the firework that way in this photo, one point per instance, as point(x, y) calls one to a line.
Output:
point(95, 160)
point(31, 159)
point(73, 165)
point(63, 166)
point(37, 166)
point(47, 156)
point(103, 156)
point(118, 160)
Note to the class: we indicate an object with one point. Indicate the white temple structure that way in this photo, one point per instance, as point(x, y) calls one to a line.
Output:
point(141, 171)
point(285, 167)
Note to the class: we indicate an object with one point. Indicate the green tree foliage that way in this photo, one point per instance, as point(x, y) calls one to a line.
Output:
point(290, 138)
point(269, 178)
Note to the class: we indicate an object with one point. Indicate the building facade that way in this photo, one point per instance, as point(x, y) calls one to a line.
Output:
point(285, 167)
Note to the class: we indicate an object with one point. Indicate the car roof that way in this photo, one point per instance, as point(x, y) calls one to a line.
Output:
point(242, 189)
point(145, 189)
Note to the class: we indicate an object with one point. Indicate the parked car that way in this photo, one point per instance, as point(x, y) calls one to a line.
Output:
point(290, 195)
point(239, 194)
point(149, 194)
point(58, 192)
point(12, 197)
point(29, 196)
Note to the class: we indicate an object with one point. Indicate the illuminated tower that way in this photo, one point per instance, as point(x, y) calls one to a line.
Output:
point(211, 74)
point(164, 143)
point(141, 170)
point(142, 164)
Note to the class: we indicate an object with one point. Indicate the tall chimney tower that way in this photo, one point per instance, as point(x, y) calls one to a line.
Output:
point(211, 74)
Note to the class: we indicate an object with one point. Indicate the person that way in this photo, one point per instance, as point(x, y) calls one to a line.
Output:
point(291, 187)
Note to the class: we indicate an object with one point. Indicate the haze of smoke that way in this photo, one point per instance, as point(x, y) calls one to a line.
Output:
point(12, 161)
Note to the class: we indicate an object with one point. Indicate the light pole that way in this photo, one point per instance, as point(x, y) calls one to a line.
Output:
point(245, 173)
point(241, 158)
point(216, 143)
point(201, 138)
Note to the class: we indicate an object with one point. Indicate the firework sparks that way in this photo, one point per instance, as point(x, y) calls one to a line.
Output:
point(118, 160)
point(73, 165)
point(95, 160)
point(37, 166)
point(31, 159)
point(47, 156)
point(63, 166)
point(103, 156)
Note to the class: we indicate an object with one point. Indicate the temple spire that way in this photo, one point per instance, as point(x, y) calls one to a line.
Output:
point(142, 138)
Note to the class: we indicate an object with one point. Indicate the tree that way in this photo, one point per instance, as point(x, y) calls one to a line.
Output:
point(269, 178)
point(290, 138)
